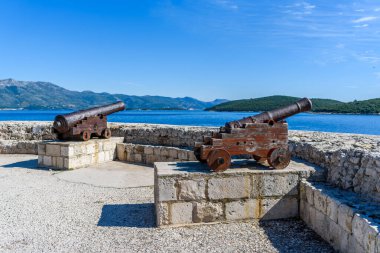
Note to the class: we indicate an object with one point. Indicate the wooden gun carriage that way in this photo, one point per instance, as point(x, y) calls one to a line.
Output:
point(85, 124)
point(263, 136)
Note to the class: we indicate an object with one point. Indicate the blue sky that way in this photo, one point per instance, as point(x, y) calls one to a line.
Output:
point(206, 49)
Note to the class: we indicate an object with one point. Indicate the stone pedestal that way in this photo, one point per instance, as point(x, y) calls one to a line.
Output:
point(188, 193)
point(76, 154)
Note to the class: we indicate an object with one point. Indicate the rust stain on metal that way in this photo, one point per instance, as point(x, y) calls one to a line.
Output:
point(85, 124)
point(264, 136)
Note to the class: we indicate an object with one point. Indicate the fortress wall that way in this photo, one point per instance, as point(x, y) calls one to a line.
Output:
point(352, 160)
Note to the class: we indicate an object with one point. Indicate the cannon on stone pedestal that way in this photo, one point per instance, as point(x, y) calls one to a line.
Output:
point(85, 124)
point(263, 136)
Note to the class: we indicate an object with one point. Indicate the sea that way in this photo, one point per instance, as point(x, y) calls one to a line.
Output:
point(341, 123)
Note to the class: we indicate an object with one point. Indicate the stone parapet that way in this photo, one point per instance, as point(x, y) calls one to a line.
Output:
point(352, 161)
point(148, 154)
point(344, 219)
point(188, 193)
point(76, 154)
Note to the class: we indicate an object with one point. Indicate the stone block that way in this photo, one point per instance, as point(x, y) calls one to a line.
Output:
point(47, 161)
point(181, 213)
point(67, 151)
point(345, 216)
point(334, 235)
point(320, 201)
point(79, 149)
point(280, 208)
point(276, 185)
point(354, 246)
point(364, 233)
point(148, 150)
point(41, 149)
point(207, 211)
point(41, 160)
point(332, 208)
point(121, 152)
point(167, 190)
point(182, 155)
point(91, 148)
point(162, 214)
point(53, 150)
point(305, 211)
point(321, 226)
point(309, 190)
point(107, 156)
point(173, 153)
point(243, 209)
point(192, 189)
point(59, 162)
point(137, 158)
point(229, 187)
point(377, 250)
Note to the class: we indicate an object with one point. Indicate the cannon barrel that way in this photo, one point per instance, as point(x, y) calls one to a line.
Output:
point(274, 115)
point(62, 123)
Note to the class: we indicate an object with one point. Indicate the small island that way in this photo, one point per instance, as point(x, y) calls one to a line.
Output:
point(371, 106)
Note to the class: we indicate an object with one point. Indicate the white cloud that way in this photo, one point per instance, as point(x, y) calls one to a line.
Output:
point(361, 26)
point(364, 19)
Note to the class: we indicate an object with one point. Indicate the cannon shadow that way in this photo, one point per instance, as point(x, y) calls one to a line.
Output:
point(128, 215)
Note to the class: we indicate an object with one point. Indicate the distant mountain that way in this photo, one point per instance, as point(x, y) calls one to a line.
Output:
point(371, 106)
point(45, 95)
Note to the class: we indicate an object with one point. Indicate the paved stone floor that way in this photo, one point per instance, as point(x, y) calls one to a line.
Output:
point(109, 208)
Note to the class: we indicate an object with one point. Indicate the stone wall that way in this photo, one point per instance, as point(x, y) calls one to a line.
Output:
point(188, 193)
point(353, 161)
point(344, 219)
point(148, 154)
point(70, 155)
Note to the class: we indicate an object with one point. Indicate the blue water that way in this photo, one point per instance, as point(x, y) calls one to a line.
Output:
point(362, 124)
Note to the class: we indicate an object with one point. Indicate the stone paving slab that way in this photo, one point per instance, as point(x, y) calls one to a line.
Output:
point(42, 213)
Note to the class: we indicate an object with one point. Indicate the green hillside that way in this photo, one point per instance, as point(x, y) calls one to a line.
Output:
point(371, 106)
point(44, 95)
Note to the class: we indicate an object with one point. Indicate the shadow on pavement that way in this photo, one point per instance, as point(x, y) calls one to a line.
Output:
point(29, 164)
point(128, 215)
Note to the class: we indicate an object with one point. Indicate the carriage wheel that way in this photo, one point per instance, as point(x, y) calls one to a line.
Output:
point(85, 135)
point(279, 158)
point(219, 160)
point(197, 153)
point(106, 134)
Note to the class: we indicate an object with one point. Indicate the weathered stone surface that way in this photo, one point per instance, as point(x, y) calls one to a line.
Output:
point(42, 149)
point(67, 151)
point(53, 150)
point(332, 208)
point(277, 184)
point(320, 201)
point(192, 189)
point(162, 214)
point(280, 208)
point(166, 189)
point(243, 209)
point(181, 213)
point(229, 187)
point(207, 211)
point(345, 216)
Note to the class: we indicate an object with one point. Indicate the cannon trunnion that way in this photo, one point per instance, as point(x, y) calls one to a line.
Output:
point(264, 137)
point(85, 124)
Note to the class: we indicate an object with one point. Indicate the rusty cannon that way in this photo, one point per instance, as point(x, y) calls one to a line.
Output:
point(87, 123)
point(263, 136)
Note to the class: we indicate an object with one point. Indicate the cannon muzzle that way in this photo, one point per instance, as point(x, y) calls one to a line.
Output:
point(63, 123)
point(275, 115)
